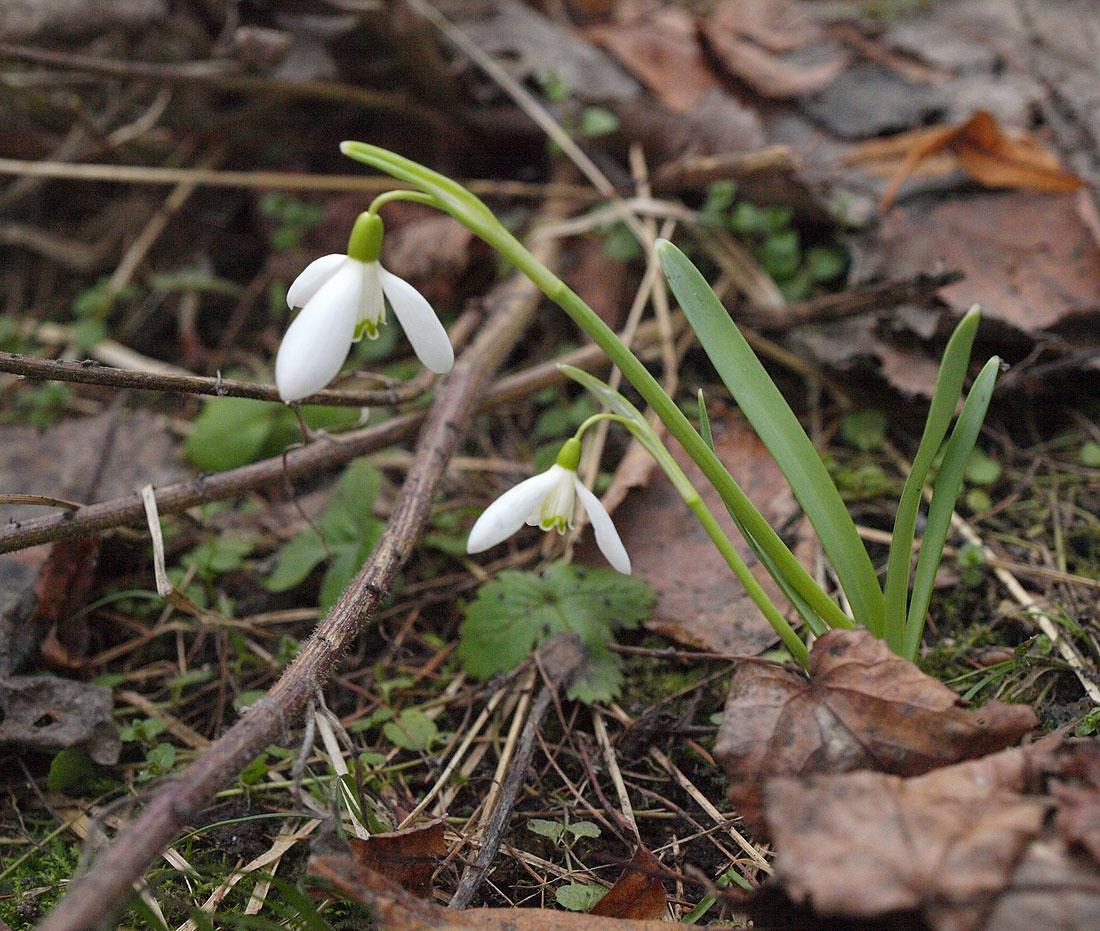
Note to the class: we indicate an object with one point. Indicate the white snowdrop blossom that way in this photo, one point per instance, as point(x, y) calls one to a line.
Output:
point(548, 500)
point(343, 298)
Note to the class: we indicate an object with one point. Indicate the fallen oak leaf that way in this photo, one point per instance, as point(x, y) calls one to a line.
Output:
point(962, 848)
point(862, 707)
point(408, 856)
point(986, 152)
point(637, 893)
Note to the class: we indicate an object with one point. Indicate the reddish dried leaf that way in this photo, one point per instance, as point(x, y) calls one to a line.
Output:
point(394, 909)
point(863, 707)
point(984, 151)
point(408, 857)
point(638, 893)
point(1027, 259)
point(699, 602)
point(663, 54)
point(773, 48)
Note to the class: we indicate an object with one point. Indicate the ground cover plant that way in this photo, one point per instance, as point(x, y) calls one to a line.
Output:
point(813, 637)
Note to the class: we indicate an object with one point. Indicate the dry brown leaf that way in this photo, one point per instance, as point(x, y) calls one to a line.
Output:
point(394, 909)
point(1027, 259)
point(699, 602)
point(863, 707)
point(663, 53)
point(638, 893)
point(773, 48)
point(965, 847)
point(983, 150)
point(408, 857)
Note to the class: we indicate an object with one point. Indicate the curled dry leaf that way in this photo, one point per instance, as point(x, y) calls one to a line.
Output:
point(394, 909)
point(663, 53)
point(773, 47)
point(862, 707)
point(965, 847)
point(408, 857)
point(979, 146)
point(638, 893)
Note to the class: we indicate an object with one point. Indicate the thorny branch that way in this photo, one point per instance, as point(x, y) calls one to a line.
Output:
point(94, 898)
point(89, 372)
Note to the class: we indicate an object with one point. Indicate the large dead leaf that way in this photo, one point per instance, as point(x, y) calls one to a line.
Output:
point(394, 909)
point(965, 847)
point(862, 707)
point(663, 53)
point(48, 714)
point(95, 458)
point(408, 857)
point(699, 602)
point(1027, 258)
point(773, 47)
point(638, 893)
point(980, 147)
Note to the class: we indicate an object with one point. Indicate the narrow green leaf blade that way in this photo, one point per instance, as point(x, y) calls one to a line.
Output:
point(949, 384)
point(944, 495)
point(777, 426)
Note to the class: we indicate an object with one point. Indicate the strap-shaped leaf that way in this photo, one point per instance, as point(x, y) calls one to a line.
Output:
point(956, 358)
point(945, 493)
point(779, 429)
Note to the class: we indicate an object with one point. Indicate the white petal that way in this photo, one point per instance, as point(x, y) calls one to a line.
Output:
point(319, 339)
point(372, 306)
point(422, 327)
point(507, 514)
point(607, 537)
point(309, 282)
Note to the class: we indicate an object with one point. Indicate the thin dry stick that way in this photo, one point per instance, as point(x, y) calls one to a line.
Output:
point(272, 180)
point(94, 898)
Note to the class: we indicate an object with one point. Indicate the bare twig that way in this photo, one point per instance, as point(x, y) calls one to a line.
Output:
point(863, 299)
point(92, 373)
point(93, 898)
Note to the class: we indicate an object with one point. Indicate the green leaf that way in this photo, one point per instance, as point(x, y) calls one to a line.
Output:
point(982, 469)
point(583, 829)
point(230, 432)
point(944, 495)
point(1089, 454)
point(218, 555)
point(516, 612)
point(350, 529)
point(579, 897)
point(777, 426)
point(944, 399)
point(411, 730)
point(865, 430)
point(71, 771)
point(296, 560)
point(550, 829)
point(824, 263)
point(596, 121)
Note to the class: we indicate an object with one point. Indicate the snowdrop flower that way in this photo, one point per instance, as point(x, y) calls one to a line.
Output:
point(548, 500)
point(343, 298)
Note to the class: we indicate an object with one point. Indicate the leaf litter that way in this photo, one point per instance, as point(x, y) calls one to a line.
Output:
point(989, 843)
